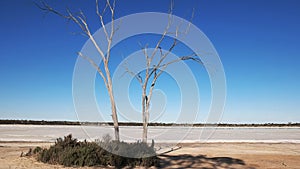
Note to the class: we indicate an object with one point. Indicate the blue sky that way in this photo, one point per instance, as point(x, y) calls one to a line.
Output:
point(257, 41)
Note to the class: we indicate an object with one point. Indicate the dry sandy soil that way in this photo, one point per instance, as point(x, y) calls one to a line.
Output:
point(209, 155)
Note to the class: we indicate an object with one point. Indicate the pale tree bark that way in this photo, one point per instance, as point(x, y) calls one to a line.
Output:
point(80, 20)
point(154, 70)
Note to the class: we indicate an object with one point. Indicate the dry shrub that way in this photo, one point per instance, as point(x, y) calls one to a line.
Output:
point(71, 152)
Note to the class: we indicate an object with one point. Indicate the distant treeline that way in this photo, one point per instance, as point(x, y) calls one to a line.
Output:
point(39, 122)
point(43, 122)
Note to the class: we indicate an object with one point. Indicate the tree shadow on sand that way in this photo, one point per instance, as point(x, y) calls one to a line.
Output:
point(201, 161)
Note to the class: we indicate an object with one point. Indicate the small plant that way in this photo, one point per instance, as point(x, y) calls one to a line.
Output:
point(37, 150)
point(71, 152)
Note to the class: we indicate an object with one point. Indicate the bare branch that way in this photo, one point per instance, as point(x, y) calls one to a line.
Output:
point(161, 52)
point(80, 20)
point(164, 56)
point(192, 17)
point(79, 33)
point(101, 18)
point(109, 5)
point(92, 62)
point(169, 51)
point(137, 76)
point(112, 31)
point(162, 68)
point(144, 48)
point(177, 32)
point(165, 31)
point(45, 7)
point(193, 57)
point(162, 38)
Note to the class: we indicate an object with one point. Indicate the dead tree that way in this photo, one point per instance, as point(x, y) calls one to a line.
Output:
point(80, 20)
point(153, 69)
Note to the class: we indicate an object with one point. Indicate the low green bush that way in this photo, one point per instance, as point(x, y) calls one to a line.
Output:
point(71, 152)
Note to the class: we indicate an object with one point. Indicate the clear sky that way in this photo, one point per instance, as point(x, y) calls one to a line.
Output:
point(257, 41)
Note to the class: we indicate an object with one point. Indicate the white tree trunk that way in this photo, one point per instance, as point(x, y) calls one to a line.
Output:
point(112, 102)
point(145, 122)
point(114, 116)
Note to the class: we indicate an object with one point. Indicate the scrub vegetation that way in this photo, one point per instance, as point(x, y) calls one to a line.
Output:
point(68, 151)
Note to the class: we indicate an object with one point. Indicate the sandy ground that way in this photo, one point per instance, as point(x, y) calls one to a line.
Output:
point(209, 155)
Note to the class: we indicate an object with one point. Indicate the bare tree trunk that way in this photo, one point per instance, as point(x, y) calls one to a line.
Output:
point(114, 116)
point(146, 121)
point(145, 124)
point(112, 102)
